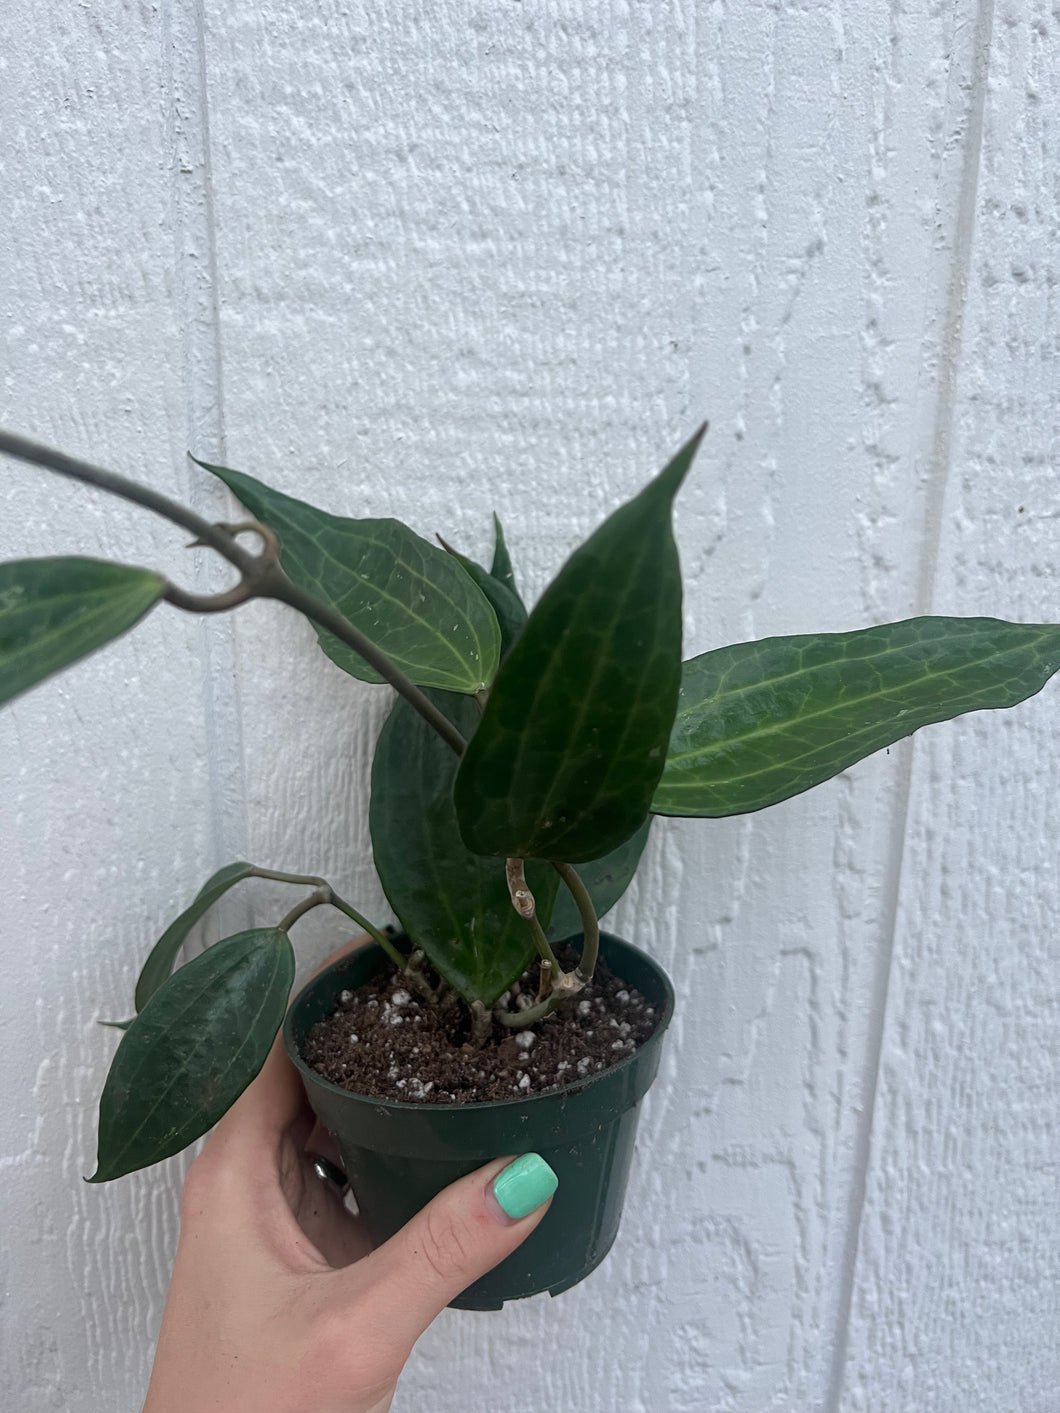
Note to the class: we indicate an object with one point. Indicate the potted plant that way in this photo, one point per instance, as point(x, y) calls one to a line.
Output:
point(513, 789)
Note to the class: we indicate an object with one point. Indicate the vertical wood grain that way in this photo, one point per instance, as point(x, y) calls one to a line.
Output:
point(958, 1264)
point(112, 795)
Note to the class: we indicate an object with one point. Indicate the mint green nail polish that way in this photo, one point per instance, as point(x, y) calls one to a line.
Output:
point(523, 1185)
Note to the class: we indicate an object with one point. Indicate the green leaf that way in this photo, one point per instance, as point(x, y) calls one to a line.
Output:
point(570, 748)
point(505, 602)
point(192, 1050)
point(54, 611)
point(606, 879)
point(501, 568)
point(163, 954)
point(760, 722)
point(453, 904)
point(409, 597)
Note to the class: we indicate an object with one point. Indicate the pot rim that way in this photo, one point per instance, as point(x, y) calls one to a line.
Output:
point(307, 1071)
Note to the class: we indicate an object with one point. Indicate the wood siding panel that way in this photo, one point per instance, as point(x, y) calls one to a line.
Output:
point(433, 261)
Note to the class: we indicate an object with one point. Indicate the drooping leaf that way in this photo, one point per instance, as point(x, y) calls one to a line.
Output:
point(501, 568)
point(192, 1050)
point(606, 880)
point(452, 903)
point(760, 722)
point(410, 598)
point(506, 603)
point(572, 742)
point(163, 954)
point(54, 611)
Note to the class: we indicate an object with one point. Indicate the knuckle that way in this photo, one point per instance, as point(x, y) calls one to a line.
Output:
point(444, 1245)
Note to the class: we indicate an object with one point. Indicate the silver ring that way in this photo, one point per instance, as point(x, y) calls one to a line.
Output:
point(327, 1171)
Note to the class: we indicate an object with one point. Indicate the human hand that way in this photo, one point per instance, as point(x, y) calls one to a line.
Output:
point(276, 1303)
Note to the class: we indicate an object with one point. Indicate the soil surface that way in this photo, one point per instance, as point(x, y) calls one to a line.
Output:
point(385, 1041)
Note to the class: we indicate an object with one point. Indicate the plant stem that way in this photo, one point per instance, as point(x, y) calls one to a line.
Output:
point(231, 598)
point(207, 603)
point(213, 535)
point(415, 978)
point(544, 948)
point(374, 932)
point(567, 987)
point(480, 1024)
point(278, 877)
point(561, 985)
point(590, 924)
point(320, 895)
point(322, 886)
point(262, 575)
point(524, 904)
point(546, 976)
point(277, 585)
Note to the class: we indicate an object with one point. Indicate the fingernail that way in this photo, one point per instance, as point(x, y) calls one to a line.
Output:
point(524, 1185)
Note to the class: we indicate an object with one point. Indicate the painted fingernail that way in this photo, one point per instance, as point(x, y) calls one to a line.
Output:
point(524, 1185)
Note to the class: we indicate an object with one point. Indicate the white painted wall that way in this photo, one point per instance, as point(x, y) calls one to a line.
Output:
point(427, 260)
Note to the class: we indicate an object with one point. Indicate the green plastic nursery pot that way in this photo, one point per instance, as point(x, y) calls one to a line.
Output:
point(399, 1155)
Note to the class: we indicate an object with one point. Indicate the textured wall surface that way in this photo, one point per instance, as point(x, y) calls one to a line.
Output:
point(431, 260)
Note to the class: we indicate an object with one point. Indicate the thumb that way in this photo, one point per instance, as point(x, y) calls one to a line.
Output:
point(460, 1235)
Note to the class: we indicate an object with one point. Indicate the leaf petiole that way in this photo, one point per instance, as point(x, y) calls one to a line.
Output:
point(590, 924)
point(324, 893)
point(524, 904)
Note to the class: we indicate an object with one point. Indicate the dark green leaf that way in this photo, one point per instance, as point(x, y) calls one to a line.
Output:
point(163, 954)
point(453, 904)
point(192, 1050)
point(409, 597)
point(760, 722)
point(606, 879)
point(501, 568)
point(54, 611)
point(505, 602)
point(572, 743)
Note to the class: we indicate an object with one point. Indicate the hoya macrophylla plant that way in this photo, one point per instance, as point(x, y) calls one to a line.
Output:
point(515, 780)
